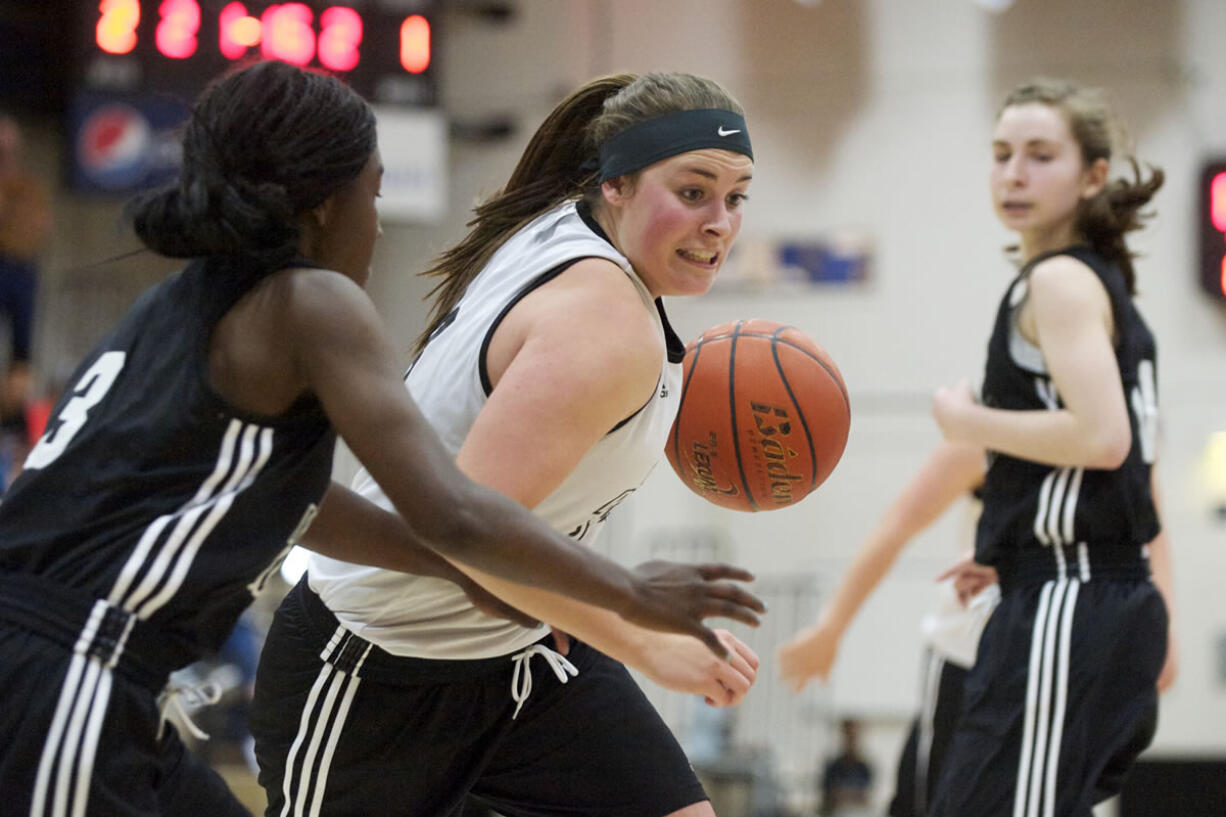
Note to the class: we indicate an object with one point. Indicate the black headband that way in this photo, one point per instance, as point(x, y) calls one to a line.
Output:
point(657, 139)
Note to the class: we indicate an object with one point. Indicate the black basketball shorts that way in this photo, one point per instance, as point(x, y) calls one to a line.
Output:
point(80, 738)
point(344, 728)
point(1062, 697)
point(923, 755)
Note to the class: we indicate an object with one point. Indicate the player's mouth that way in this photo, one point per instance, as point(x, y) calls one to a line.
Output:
point(701, 257)
point(1016, 208)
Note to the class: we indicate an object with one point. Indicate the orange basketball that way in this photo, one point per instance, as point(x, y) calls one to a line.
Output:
point(764, 416)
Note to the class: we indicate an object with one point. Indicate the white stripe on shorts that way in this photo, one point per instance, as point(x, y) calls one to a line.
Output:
point(304, 790)
point(1046, 698)
point(923, 740)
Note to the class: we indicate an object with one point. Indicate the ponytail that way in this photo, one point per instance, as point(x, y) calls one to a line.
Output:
point(553, 168)
point(200, 219)
point(1116, 210)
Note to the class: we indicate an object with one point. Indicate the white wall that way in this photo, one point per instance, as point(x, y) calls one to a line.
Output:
point(876, 114)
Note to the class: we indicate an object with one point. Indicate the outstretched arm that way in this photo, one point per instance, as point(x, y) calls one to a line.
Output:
point(351, 528)
point(675, 662)
point(950, 471)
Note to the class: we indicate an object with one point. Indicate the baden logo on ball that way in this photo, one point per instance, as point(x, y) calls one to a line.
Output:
point(764, 416)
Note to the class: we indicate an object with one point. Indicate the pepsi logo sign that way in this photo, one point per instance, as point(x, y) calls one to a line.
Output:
point(114, 146)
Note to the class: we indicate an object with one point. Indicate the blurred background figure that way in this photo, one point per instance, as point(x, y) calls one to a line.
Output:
point(25, 220)
point(847, 780)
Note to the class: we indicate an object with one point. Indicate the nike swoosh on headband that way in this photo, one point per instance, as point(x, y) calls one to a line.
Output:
point(655, 139)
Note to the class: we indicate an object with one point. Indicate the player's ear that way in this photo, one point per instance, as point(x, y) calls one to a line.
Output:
point(312, 224)
point(321, 213)
point(1095, 178)
point(617, 190)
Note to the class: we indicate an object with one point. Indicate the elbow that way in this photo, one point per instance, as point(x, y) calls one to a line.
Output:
point(1110, 448)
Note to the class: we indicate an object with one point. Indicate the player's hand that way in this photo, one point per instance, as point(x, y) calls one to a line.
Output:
point(491, 605)
point(684, 664)
point(969, 577)
point(675, 598)
point(949, 403)
point(809, 654)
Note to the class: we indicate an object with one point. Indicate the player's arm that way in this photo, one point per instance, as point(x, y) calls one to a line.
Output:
point(571, 361)
point(950, 472)
point(675, 662)
point(1164, 579)
point(344, 358)
point(1073, 324)
point(351, 528)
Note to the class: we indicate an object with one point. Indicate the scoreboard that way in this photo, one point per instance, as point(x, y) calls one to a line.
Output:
point(383, 48)
point(1211, 206)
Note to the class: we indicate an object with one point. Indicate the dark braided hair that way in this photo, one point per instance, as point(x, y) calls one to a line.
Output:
point(263, 146)
point(1104, 219)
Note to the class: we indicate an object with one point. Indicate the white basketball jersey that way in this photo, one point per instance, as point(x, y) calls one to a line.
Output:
point(432, 618)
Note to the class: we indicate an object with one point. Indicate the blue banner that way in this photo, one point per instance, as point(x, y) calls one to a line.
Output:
point(123, 143)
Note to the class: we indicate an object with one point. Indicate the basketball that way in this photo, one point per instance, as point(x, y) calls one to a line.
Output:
point(764, 416)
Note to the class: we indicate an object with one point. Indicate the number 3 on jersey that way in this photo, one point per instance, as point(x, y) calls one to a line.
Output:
point(88, 392)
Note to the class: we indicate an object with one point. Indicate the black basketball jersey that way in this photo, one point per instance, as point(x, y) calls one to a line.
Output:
point(1027, 504)
point(148, 490)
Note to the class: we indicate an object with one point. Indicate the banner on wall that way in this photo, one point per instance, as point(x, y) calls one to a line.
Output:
point(832, 258)
point(123, 143)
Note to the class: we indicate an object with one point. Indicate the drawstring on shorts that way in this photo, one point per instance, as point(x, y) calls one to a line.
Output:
point(521, 680)
point(176, 700)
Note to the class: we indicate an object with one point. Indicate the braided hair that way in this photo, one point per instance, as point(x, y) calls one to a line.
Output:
point(263, 146)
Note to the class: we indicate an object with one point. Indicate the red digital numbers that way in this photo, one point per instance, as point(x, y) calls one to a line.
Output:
point(116, 29)
point(1217, 201)
point(236, 31)
point(1212, 205)
point(1217, 215)
point(284, 31)
point(415, 44)
point(340, 34)
point(177, 28)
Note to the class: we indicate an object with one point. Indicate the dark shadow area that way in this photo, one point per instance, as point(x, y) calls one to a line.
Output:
point(1189, 787)
point(35, 55)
